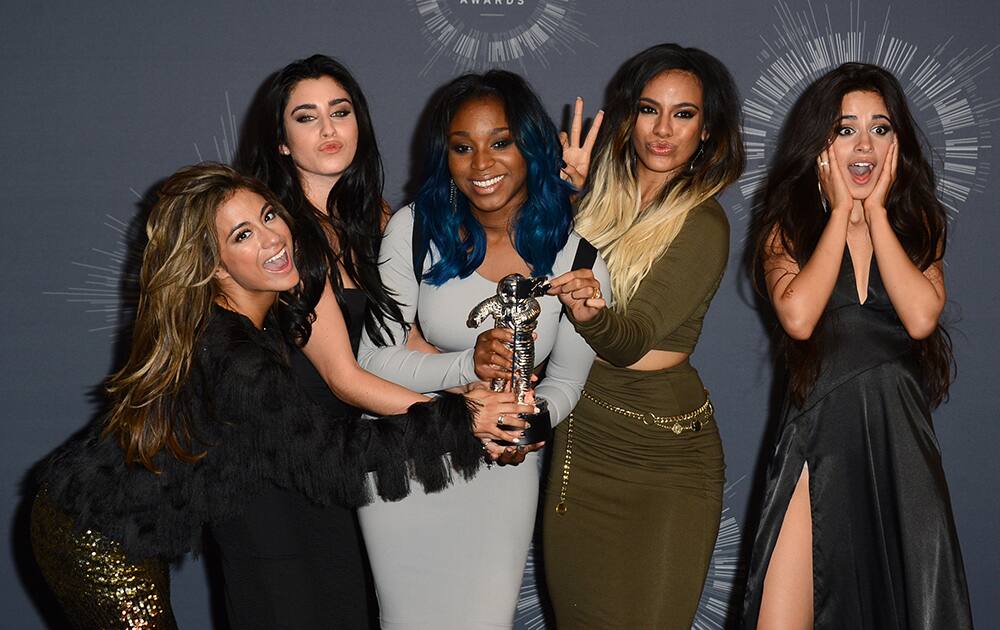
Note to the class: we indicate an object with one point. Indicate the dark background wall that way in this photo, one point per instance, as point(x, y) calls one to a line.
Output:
point(102, 100)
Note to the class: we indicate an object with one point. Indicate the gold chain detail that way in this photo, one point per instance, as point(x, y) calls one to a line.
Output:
point(690, 421)
point(561, 506)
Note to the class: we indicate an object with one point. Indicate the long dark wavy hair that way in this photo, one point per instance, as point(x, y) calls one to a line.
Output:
point(354, 210)
point(177, 291)
point(792, 208)
point(543, 223)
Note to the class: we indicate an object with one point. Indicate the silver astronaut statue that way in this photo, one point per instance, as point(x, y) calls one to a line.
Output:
point(514, 306)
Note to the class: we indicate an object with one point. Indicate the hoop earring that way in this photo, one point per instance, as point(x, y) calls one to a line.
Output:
point(697, 156)
point(453, 196)
point(822, 198)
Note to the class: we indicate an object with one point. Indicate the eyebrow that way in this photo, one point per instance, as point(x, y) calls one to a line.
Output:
point(676, 105)
point(237, 228)
point(853, 117)
point(241, 224)
point(334, 102)
point(493, 132)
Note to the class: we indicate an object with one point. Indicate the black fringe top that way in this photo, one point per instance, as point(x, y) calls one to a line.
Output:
point(247, 413)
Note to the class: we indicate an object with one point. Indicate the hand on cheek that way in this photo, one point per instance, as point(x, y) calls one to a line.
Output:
point(832, 183)
point(875, 202)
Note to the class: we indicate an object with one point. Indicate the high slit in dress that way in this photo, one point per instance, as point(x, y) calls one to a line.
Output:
point(885, 551)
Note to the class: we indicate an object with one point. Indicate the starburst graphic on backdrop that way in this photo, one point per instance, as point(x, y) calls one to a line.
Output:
point(725, 573)
point(105, 284)
point(941, 84)
point(480, 37)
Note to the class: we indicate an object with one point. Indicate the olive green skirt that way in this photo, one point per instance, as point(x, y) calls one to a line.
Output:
point(639, 504)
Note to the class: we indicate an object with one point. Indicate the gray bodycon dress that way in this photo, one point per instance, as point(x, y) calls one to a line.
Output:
point(455, 559)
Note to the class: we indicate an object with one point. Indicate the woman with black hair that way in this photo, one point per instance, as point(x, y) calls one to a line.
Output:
point(492, 204)
point(856, 529)
point(206, 415)
point(315, 147)
point(634, 498)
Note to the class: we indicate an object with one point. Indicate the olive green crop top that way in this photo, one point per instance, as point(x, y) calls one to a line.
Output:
point(667, 310)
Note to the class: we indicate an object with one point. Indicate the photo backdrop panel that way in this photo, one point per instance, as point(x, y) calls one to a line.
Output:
point(107, 100)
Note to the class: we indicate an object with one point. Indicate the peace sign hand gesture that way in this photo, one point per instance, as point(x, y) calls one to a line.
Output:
point(576, 156)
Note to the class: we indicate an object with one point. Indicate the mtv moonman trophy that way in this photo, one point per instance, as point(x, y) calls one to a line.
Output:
point(515, 307)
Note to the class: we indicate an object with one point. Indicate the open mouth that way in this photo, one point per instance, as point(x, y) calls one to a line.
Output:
point(487, 185)
point(860, 171)
point(279, 262)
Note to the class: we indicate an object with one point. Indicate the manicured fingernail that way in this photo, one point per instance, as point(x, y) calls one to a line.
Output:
point(521, 433)
point(527, 425)
point(537, 410)
point(516, 440)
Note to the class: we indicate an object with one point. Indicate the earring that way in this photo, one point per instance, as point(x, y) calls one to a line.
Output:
point(284, 151)
point(453, 196)
point(822, 197)
point(697, 156)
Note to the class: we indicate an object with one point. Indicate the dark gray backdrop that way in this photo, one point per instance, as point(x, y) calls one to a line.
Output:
point(101, 100)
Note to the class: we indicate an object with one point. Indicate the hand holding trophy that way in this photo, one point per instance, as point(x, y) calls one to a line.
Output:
point(514, 306)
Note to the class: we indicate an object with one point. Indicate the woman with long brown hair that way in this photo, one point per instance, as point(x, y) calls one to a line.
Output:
point(206, 413)
point(856, 529)
point(634, 496)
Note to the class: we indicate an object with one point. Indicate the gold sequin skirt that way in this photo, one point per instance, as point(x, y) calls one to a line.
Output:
point(97, 586)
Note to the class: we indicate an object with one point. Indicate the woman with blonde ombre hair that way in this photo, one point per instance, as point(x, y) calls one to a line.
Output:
point(635, 494)
point(207, 413)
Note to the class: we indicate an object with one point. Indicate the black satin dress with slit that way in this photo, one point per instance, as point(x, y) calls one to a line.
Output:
point(885, 551)
point(288, 562)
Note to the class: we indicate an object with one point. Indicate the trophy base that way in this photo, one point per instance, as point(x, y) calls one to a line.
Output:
point(540, 429)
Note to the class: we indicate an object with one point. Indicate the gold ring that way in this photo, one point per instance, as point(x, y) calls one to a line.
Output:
point(597, 295)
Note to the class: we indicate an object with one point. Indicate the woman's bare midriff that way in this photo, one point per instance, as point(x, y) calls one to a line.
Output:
point(657, 360)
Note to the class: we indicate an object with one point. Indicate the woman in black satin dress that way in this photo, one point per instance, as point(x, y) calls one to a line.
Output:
point(856, 528)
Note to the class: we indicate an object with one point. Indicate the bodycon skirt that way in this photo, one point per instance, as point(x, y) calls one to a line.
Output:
point(98, 587)
point(642, 504)
point(453, 560)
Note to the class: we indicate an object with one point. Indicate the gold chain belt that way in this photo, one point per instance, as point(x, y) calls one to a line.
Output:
point(690, 421)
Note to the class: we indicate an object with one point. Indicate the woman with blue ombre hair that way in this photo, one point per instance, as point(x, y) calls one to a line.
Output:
point(493, 203)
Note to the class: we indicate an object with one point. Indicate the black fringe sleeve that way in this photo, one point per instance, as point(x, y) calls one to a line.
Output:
point(256, 427)
point(273, 433)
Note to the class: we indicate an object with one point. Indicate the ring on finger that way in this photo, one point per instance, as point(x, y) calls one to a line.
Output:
point(499, 419)
point(597, 295)
point(824, 163)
